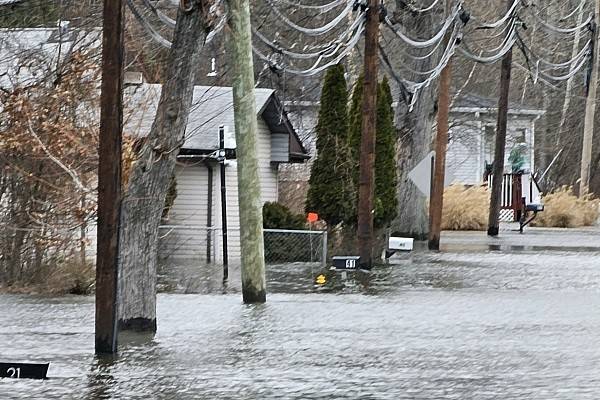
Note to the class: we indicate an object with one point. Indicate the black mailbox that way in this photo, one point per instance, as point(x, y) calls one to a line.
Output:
point(346, 263)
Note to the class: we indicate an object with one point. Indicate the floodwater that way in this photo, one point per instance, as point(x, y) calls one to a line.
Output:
point(512, 318)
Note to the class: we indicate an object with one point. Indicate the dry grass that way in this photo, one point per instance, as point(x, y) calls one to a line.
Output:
point(465, 208)
point(563, 209)
point(68, 278)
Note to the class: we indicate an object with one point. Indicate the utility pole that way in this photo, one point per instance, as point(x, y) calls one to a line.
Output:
point(109, 177)
point(436, 201)
point(223, 202)
point(366, 183)
point(244, 108)
point(590, 107)
point(498, 169)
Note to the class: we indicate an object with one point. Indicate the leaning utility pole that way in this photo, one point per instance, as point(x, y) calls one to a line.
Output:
point(109, 177)
point(436, 200)
point(498, 164)
point(590, 107)
point(366, 183)
point(244, 108)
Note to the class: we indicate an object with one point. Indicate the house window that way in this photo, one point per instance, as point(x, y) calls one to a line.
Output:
point(520, 136)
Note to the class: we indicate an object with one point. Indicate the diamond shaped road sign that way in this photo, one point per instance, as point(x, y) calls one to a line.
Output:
point(420, 175)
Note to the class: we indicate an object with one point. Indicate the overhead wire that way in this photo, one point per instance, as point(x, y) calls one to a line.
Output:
point(576, 10)
point(509, 14)
point(421, 10)
point(326, 48)
point(159, 14)
point(322, 8)
point(154, 34)
point(565, 31)
point(315, 69)
point(313, 31)
point(429, 42)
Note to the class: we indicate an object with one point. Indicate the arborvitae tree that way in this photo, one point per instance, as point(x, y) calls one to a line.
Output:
point(385, 171)
point(329, 193)
point(385, 158)
point(355, 120)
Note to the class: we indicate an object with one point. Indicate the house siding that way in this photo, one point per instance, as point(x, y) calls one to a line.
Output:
point(462, 155)
point(186, 235)
point(190, 207)
point(280, 147)
point(466, 153)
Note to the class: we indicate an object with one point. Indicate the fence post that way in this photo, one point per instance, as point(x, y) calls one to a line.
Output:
point(324, 262)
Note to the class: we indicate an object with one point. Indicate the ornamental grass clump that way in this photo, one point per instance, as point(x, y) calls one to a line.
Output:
point(562, 209)
point(465, 208)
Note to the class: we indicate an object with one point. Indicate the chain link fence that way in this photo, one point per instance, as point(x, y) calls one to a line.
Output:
point(286, 245)
point(205, 245)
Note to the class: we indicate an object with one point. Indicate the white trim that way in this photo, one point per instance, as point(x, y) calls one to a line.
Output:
point(494, 110)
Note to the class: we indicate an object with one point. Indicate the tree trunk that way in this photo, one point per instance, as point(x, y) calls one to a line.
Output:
point(500, 144)
point(590, 109)
point(150, 176)
point(414, 142)
point(244, 105)
point(570, 81)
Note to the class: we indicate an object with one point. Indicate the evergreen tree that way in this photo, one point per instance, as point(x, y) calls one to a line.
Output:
point(385, 168)
point(329, 193)
point(355, 120)
point(385, 162)
point(354, 133)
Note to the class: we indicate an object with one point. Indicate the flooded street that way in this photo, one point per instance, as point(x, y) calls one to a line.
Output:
point(510, 318)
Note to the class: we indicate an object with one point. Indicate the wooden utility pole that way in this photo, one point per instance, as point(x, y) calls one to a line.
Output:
point(109, 177)
point(498, 168)
point(436, 200)
point(244, 107)
point(590, 108)
point(366, 183)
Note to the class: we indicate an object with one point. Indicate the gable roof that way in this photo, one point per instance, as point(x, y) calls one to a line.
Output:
point(212, 106)
point(29, 55)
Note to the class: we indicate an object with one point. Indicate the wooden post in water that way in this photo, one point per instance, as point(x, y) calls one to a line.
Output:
point(366, 183)
point(244, 106)
point(109, 177)
point(436, 200)
point(498, 167)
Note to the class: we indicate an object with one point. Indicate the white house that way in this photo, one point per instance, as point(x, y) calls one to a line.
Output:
point(470, 147)
point(472, 137)
point(193, 230)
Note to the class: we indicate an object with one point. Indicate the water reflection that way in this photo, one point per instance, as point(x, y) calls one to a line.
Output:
point(464, 324)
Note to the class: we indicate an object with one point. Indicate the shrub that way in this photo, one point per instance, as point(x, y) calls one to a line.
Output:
point(384, 200)
point(329, 193)
point(278, 216)
point(562, 209)
point(71, 278)
point(465, 208)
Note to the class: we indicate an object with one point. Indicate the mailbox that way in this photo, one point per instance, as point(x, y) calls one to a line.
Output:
point(345, 263)
point(400, 243)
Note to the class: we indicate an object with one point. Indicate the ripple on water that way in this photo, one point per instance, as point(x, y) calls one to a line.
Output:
point(451, 325)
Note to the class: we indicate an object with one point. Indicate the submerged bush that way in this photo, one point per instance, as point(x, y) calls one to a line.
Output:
point(562, 209)
point(278, 216)
point(465, 208)
point(70, 276)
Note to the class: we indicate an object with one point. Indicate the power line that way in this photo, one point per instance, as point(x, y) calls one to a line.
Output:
point(313, 31)
point(429, 42)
